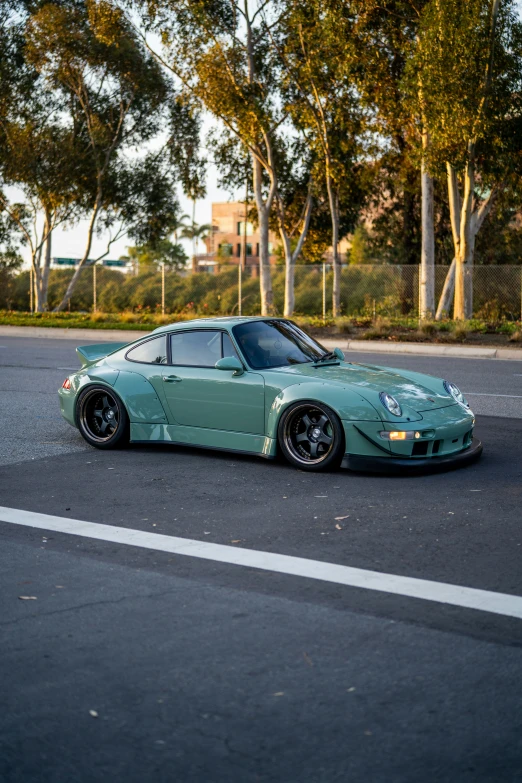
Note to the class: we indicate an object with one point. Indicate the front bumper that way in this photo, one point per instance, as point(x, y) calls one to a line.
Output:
point(412, 465)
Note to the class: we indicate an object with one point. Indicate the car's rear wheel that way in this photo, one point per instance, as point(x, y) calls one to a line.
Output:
point(102, 418)
point(311, 436)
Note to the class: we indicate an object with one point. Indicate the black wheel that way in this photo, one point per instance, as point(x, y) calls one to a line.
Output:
point(311, 436)
point(102, 418)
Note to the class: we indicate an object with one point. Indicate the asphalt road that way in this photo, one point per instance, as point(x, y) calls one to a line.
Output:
point(141, 665)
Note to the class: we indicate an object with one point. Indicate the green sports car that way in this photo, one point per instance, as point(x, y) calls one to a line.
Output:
point(263, 386)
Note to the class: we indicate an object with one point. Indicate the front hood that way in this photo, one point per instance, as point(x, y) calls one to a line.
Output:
point(377, 379)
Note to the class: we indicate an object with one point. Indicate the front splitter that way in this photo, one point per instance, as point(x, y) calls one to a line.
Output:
point(412, 465)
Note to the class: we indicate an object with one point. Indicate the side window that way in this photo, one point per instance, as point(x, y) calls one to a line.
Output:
point(151, 352)
point(200, 348)
point(228, 347)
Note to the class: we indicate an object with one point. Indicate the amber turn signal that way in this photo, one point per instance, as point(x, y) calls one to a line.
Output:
point(403, 435)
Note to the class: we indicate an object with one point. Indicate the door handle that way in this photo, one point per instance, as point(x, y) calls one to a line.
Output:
point(172, 379)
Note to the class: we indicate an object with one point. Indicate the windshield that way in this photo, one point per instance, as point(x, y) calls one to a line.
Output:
point(275, 343)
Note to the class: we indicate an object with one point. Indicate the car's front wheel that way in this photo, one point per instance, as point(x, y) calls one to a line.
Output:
point(102, 418)
point(311, 436)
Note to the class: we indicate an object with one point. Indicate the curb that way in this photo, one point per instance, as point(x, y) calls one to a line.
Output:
point(366, 346)
point(87, 335)
point(421, 349)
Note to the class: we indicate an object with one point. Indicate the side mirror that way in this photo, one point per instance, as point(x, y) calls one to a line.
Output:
point(230, 363)
point(339, 354)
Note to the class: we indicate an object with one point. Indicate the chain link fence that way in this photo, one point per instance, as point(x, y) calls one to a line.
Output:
point(366, 291)
point(497, 291)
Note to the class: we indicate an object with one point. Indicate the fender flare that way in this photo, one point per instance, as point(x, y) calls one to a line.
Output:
point(346, 403)
point(88, 382)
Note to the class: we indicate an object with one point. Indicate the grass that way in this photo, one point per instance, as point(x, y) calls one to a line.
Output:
point(125, 320)
point(399, 329)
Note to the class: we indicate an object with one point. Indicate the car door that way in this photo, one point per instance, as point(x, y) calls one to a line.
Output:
point(199, 395)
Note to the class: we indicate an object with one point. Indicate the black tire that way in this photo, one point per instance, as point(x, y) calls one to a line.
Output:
point(311, 436)
point(101, 418)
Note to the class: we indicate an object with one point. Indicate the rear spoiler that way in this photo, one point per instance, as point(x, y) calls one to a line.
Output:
point(88, 354)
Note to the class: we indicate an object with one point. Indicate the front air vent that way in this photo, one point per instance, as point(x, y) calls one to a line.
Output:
point(420, 449)
point(436, 447)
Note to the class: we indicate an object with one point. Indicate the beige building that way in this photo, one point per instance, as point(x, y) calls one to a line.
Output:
point(225, 244)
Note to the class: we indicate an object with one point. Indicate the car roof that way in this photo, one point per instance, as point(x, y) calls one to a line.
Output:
point(219, 321)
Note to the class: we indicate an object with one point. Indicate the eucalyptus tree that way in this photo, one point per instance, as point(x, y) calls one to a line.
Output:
point(470, 64)
point(293, 206)
point(315, 46)
point(387, 38)
point(184, 150)
point(88, 54)
point(43, 163)
point(39, 155)
point(221, 54)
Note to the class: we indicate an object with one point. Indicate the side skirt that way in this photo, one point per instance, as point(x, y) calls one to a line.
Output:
point(240, 442)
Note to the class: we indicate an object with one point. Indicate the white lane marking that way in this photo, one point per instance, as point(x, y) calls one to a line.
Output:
point(440, 592)
point(67, 368)
point(483, 394)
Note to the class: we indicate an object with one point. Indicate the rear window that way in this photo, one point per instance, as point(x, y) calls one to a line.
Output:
point(151, 352)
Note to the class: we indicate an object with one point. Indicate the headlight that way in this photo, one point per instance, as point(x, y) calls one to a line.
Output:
point(455, 392)
point(390, 403)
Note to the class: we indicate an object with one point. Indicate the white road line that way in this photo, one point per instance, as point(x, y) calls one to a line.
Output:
point(483, 394)
point(440, 592)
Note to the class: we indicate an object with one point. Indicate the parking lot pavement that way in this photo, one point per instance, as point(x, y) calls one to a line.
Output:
point(205, 671)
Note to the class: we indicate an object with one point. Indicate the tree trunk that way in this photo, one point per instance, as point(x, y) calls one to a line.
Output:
point(265, 278)
point(466, 244)
point(78, 271)
point(37, 278)
point(194, 255)
point(263, 213)
point(468, 278)
point(47, 260)
point(337, 268)
point(458, 301)
point(427, 268)
point(289, 289)
point(291, 257)
point(446, 296)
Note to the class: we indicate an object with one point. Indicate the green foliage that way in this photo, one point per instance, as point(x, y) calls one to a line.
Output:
point(164, 252)
point(196, 232)
point(10, 263)
point(500, 241)
point(183, 146)
point(360, 252)
point(471, 78)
